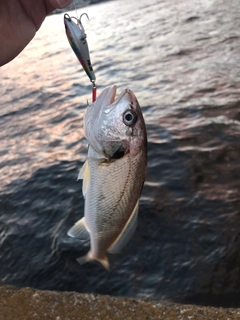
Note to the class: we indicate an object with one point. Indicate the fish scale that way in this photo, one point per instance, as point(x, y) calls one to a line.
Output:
point(115, 210)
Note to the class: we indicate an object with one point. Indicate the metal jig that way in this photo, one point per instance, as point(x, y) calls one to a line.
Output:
point(77, 39)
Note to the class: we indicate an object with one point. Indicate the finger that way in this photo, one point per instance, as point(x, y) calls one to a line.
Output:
point(60, 3)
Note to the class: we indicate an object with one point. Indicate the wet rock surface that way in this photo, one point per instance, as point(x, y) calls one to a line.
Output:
point(27, 303)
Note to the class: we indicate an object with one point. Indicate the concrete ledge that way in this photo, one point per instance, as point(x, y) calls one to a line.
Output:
point(28, 304)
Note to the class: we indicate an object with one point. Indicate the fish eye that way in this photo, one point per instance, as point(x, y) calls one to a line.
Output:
point(129, 118)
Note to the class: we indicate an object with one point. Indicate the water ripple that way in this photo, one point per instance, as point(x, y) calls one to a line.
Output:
point(181, 58)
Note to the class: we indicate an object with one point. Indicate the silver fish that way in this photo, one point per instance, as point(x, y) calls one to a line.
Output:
point(113, 174)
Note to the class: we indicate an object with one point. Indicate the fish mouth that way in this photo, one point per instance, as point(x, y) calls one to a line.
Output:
point(109, 101)
point(126, 95)
point(106, 97)
point(112, 94)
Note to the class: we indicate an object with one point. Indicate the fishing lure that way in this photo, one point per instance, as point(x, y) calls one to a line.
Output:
point(77, 39)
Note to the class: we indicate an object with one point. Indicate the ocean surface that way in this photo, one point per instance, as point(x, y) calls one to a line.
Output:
point(182, 60)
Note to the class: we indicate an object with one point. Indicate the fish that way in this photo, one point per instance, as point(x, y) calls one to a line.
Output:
point(113, 173)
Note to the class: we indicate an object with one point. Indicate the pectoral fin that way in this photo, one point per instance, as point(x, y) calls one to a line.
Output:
point(126, 233)
point(79, 230)
point(85, 175)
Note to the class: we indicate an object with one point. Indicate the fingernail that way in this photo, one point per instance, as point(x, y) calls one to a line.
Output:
point(64, 3)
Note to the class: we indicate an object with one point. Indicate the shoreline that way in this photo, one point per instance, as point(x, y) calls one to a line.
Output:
point(28, 303)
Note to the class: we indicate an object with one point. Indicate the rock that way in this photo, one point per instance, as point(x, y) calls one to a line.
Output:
point(30, 304)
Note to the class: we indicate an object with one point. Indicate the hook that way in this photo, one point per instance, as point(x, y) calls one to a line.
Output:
point(83, 15)
point(75, 19)
point(66, 16)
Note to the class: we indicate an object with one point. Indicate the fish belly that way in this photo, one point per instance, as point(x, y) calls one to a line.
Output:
point(113, 191)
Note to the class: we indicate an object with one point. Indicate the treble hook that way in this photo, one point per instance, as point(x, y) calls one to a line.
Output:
point(66, 16)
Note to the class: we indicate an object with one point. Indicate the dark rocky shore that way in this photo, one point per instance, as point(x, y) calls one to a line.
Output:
point(27, 303)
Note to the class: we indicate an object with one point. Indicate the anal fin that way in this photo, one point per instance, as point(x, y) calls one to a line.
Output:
point(126, 233)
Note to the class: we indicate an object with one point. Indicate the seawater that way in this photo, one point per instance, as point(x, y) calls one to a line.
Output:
point(181, 59)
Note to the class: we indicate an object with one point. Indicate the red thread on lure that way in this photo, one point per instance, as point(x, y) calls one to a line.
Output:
point(94, 93)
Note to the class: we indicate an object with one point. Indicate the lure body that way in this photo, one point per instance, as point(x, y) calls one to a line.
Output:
point(77, 39)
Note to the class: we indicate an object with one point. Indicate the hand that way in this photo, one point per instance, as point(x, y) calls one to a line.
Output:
point(19, 21)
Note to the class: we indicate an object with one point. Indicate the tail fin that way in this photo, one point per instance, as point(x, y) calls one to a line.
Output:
point(89, 257)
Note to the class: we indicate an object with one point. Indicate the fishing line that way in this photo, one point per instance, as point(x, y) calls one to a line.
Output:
point(74, 2)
